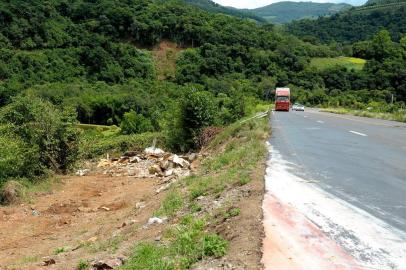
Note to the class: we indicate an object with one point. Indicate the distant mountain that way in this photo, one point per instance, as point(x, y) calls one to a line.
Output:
point(284, 12)
point(216, 8)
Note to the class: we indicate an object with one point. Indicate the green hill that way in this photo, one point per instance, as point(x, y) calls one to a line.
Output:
point(216, 8)
point(283, 12)
point(356, 24)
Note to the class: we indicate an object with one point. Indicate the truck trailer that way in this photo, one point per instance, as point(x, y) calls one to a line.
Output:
point(282, 99)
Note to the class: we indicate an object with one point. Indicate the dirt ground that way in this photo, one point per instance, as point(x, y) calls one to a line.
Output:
point(87, 218)
point(98, 217)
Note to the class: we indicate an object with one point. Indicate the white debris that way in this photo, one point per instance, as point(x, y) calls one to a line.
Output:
point(82, 172)
point(154, 151)
point(157, 220)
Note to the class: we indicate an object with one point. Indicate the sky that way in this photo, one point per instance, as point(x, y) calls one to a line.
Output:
point(261, 3)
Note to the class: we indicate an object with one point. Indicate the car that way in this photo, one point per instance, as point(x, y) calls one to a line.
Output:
point(298, 107)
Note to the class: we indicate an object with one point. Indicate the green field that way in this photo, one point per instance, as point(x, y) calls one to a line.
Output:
point(348, 62)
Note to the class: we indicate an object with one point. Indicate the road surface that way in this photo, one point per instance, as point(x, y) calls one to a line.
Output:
point(345, 175)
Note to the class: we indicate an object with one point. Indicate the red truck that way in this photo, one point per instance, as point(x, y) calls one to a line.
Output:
point(282, 99)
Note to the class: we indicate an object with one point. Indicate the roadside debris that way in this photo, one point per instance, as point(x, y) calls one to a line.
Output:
point(109, 264)
point(152, 163)
point(157, 220)
point(48, 261)
point(82, 172)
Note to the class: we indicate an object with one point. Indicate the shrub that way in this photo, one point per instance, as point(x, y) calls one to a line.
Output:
point(134, 123)
point(17, 158)
point(39, 125)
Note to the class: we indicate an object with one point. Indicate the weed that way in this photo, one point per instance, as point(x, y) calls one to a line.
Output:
point(82, 265)
point(233, 212)
point(195, 207)
point(214, 245)
point(59, 250)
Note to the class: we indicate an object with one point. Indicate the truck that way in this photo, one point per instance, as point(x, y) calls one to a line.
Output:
point(282, 99)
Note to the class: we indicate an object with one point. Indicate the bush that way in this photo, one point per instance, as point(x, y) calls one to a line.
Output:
point(48, 132)
point(17, 159)
point(134, 123)
point(197, 111)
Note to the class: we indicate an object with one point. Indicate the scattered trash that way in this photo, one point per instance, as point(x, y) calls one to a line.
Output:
point(157, 220)
point(152, 163)
point(154, 151)
point(105, 208)
point(35, 213)
point(82, 172)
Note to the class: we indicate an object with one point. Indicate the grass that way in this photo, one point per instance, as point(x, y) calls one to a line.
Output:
point(171, 204)
point(112, 244)
point(398, 116)
point(28, 260)
point(347, 62)
point(188, 243)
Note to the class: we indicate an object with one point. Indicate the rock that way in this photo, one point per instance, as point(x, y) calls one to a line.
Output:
point(180, 161)
point(109, 264)
point(48, 261)
point(135, 159)
point(192, 157)
point(155, 169)
point(123, 160)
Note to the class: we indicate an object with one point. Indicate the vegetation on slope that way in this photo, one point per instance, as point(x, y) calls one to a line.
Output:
point(285, 11)
point(354, 25)
point(211, 6)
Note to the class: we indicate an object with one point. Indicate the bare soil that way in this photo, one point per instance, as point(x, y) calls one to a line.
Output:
point(88, 218)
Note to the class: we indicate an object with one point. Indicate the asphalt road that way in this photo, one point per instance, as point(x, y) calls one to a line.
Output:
point(360, 160)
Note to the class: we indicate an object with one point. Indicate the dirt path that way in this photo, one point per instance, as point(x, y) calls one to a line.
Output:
point(87, 218)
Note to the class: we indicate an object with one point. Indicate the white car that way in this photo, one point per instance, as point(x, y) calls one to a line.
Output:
point(298, 107)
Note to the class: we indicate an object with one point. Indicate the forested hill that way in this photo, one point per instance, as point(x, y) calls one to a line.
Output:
point(357, 24)
point(283, 12)
point(382, 2)
point(211, 6)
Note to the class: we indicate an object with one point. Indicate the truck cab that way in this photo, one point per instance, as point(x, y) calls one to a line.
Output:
point(282, 99)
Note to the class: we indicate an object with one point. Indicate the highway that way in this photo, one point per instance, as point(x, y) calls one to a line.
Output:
point(347, 176)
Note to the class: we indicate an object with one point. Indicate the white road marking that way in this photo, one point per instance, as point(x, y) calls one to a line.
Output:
point(321, 122)
point(305, 116)
point(358, 133)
